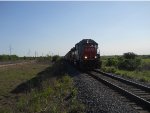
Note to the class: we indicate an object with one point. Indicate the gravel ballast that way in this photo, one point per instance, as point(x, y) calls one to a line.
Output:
point(97, 97)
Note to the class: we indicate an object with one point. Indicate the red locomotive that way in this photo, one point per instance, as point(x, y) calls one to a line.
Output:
point(84, 54)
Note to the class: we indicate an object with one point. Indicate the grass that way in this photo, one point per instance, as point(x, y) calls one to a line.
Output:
point(12, 76)
point(38, 88)
point(146, 60)
point(59, 98)
point(143, 76)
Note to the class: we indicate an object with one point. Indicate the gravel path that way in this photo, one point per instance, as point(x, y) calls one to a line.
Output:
point(97, 97)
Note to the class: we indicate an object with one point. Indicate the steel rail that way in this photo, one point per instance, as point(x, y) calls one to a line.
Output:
point(140, 101)
point(140, 86)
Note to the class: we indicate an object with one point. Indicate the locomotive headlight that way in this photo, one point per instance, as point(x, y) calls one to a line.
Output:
point(95, 56)
point(85, 57)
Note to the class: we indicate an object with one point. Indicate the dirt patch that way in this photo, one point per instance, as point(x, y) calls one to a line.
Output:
point(12, 64)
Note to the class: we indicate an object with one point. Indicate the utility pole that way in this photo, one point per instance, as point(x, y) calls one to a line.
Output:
point(35, 54)
point(10, 50)
point(29, 53)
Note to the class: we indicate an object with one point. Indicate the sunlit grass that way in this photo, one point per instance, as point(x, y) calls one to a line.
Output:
point(10, 77)
point(143, 76)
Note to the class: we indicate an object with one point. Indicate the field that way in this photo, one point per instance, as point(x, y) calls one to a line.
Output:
point(37, 87)
point(12, 76)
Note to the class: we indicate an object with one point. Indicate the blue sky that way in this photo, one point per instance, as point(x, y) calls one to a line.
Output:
point(55, 27)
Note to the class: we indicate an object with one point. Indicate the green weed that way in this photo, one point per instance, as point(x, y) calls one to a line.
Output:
point(142, 73)
point(60, 98)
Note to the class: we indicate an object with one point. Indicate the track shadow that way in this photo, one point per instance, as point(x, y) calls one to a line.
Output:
point(56, 70)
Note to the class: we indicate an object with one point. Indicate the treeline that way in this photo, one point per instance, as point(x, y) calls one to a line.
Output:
point(48, 58)
point(8, 57)
point(40, 59)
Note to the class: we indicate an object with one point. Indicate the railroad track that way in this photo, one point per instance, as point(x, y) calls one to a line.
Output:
point(137, 94)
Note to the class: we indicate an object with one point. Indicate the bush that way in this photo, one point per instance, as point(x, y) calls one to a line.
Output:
point(55, 58)
point(129, 55)
point(129, 64)
point(129, 61)
point(111, 62)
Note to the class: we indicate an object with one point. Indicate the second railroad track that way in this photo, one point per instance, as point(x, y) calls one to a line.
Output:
point(136, 93)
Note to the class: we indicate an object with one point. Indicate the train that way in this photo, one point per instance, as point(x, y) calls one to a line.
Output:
point(84, 55)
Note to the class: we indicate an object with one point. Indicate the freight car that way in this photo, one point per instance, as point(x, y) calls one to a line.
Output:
point(84, 55)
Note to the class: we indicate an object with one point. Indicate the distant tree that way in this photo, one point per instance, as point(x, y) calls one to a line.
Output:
point(24, 57)
point(55, 58)
point(8, 57)
point(129, 55)
point(48, 57)
point(14, 57)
